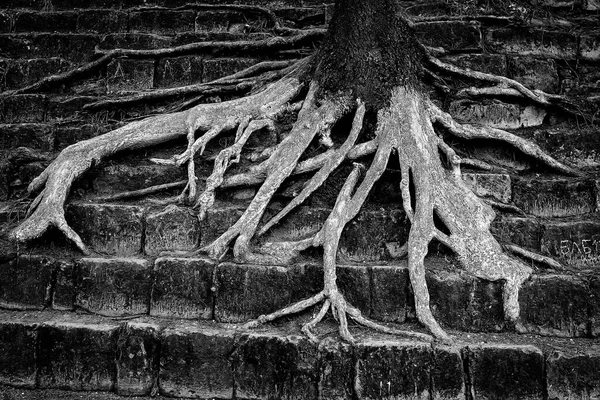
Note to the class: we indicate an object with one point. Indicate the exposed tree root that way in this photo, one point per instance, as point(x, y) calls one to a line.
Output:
point(549, 261)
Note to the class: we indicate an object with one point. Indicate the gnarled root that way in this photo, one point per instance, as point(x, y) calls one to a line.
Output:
point(48, 208)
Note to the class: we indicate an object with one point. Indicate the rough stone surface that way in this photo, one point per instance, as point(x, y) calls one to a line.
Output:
point(23, 108)
point(275, 367)
point(173, 72)
point(216, 222)
point(77, 354)
point(447, 373)
point(107, 228)
point(195, 362)
point(336, 370)
point(576, 243)
point(162, 21)
point(18, 349)
point(522, 231)
point(113, 287)
point(244, 292)
point(121, 177)
point(183, 288)
point(31, 135)
point(389, 293)
point(555, 305)
point(137, 359)
point(101, 21)
point(25, 282)
point(573, 376)
point(451, 35)
point(218, 68)
point(536, 42)
point(64, 290)
point(494, 186)
point(497, 114)
point(490, 63)
point(506, 372)
point(534, 73)
point(19, 73)
point(355, 284)
point(174, 228)
point(123, 75)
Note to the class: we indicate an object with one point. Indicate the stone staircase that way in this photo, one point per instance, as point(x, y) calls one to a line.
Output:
point(137, 319)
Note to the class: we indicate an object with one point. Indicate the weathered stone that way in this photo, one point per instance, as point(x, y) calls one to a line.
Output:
point(130, 75)
point(536, 42)
point(68, 107)
point(590, 47)
point(534, 73)
point(173, 72)
point(216, 222)
point(495, 186)
point(134, 175)
point(555, 305)
point(77, 354)
point(392, 370)
point(23, 108)
point(355, 284)
point(70, 4)
point(73, 47)
point(19, 73)
point(108, 228)
point(451, 35)
point(576, 243)
point(389, 293)
point(268, 366)
point(554, 198)
point(174, 228)
point(113, 287)
point(183, 288)
point(336, 369)
point(218, 68)
point(573, 376)
point(26, 282)
point(18, 341)
point(526, 232)
point(101, 21)
point(67, 135)
point(364, 239)
point(490, 63)
point(463, 302)
point(216, 21)
point(497, 114)
point(36, 4)
point(64, 291)
point(134, 41)
point(162, 21)
point(31, 21)
point(195, 362)
point(5, 22)
point(244, 291)
point(506, 371)
point(137, 359)
point(594, 306)
point(305, 280)
point(447, 373)
point(33, 136)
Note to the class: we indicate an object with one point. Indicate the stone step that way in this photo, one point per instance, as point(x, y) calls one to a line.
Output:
point(190, 359)
point(561, 305)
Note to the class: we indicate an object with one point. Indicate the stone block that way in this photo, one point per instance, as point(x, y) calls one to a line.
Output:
point(589, 47)
point(195, 362)
point(216, 21)
point(269, 366)
point(31, 21)
point(336, 369)
point(113, 287)
point(447, 373)
point(216, 222)
point(497, 114)
point(522, 231)
point(355, 284)
point(220, 67)
point(26, 282)
point(555, 305)
point(575, 243)
point(123, 75)
point(101, 21)
point(75, 47)
point(305, 280)
point(495, 186)
point(389, 293)
point(108, 228)
point(536, 42)
point(6, 24)
point(506, 371)
point(490, 63)
point(67, 107)
point(174, 228)
point(162, 21)
point(367, 237)
point(19, 73)
point(534, 73)
point(554, 198)
point(14, 46)
point(392, 370)
point(243, 292)
point(137, 41)
point(98, 4)
point(68, 135)
point(464, 302)
point(77, 354)
point(18, 341)
point(183, 288)
point(130, 174)
point(180, 71)
point(23, 108)
point(451, 35)
point(31, 135)
point(594, 306)
point(137, 359)
point(573, 375)
point(35, 4)
point(64, 290)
